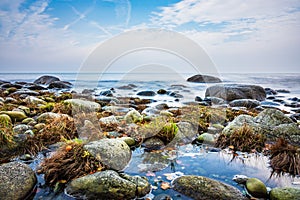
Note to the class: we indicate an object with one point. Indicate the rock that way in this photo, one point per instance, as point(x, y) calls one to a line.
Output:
point(25, 92)
point(39, 126)
point(146, 93)
point(60, 85)
point(150, 111)
point(15, 115)
point(270, 91)
point(5, 120)
point(113, 153)
point(43, 118)
point(33, 86)
point(127, 87)
point(256, 188)
point(17, 180)
point(199, 78)
point(285, 193)
point(11, 85)
point(153, 143)
point(272, 117)
point(197, 98)
point(109, 120)
point(248, 103)
point(107, 93)
point(175, 95)
point(166, 113)
point(83, 105)
point(89, 131)
point(128, 140)
point(203, 188)
point(21, 128)
point(34, 100)
point(162, 91)
point(133, 116)
point(46, 80)
point(269, 104)
point(283, 91)
point(25, 109)
point(240, 179)
point(108, 185)
point(186, 134)
point(206, 138)
point(28, 120)
point(290, 131)
point(214, 100)
point(11, 100)
point(231, 92)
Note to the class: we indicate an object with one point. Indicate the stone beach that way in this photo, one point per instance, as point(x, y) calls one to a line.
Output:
point(83, 143)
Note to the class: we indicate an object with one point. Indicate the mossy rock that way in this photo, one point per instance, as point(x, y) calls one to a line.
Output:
point(15, 115)
point(256, 188)
point(5, 120)
point(206, 138)
point(27, 120)
point(286, 193)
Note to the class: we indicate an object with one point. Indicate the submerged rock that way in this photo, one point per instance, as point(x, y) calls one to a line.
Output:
point(146, 93)
point(113, 153)
point(108, 185)
point(285, 193)
point(231, 92)
point(17, 181)
point(199, 78)
point(256, 188)
point(203, 188)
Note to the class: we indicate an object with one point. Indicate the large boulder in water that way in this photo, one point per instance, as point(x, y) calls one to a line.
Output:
point(17, 181)
point(231, 92)
point(199, 78)
point(46, 79)
point(113, 153)
point(203, 188)
point(108, 185)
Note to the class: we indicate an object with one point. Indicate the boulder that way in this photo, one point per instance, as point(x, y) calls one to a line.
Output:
point(108, 185)
point(203, 188)
point(199, 78)
point(15, 115)
point(256, 188)
point(271, 122)
point(17, 181)
point(285, 193)
point(60, 85)
point(46, 80)
point(113, 153)
point(231, 92)
point(248, 103)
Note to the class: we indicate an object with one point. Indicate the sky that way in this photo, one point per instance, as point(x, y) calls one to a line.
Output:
point(237, 35)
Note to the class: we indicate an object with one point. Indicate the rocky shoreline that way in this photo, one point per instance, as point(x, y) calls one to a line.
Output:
point(87, 139)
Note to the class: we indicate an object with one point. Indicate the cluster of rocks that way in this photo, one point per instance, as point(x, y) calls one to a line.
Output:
point(17, 180)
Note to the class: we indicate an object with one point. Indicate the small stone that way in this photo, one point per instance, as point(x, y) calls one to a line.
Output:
point(27, 120)
point(129, 141)
point(256, 188)
point(162, 91)
point(146, 93)
point(15, 115)
point(21, 128)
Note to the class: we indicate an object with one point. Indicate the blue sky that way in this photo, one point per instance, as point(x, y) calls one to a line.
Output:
point(239, 35)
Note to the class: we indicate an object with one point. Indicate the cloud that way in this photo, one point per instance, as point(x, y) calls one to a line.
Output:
point(239, 34)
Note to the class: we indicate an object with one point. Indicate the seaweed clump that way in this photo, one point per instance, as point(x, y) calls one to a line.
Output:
point(285, 158)
point(56, 131)
point(242, 139)
point(69, 162)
